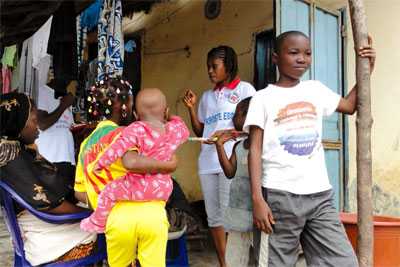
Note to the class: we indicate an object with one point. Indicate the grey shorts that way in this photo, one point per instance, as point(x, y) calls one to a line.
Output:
point(312, 222)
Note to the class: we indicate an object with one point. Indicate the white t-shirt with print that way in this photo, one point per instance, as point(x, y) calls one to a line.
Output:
point(56, 143)
point(216, 109)
point(293, 155)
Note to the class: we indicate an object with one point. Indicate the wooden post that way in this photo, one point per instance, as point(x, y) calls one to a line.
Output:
point(365, 247)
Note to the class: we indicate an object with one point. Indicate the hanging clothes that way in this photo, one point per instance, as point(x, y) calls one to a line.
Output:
point(9, 62)
point(86, 22)
point(40, 42)
point(80, 40)
point(92, 73)
point(15, 77)
point(89, 18)
point(110, 40)
point(42, 69)
point(6, 76)
point(33, 50)
point(63, 47)
point(25, 68)
point(9, 56)
point(81, 37)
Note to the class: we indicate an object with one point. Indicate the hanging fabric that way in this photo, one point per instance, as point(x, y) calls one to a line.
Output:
point(33, 50)
point(81, 38)
point(63, 47)
point(6, 76)
point(8, 61)
point(110, 40)
point(25, 68)
point(15, 77)
point(90, 17)
point(40, 42)
point(9, 56)
point(87, 21)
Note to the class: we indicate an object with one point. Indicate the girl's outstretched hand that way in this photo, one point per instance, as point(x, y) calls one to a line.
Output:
point(189, 99)
point(221, 137)
point(368, 52)
point(215, 138)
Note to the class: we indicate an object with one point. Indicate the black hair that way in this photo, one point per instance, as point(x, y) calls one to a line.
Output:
point(283, 36)
point(104, 94)
point(228, 56)
point(243, 105)
point(15, 109)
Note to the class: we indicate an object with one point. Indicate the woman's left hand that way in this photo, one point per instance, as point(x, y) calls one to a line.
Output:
point(368, 52)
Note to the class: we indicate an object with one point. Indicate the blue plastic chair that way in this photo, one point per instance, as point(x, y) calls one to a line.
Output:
point(177, 252)
point(8, 195)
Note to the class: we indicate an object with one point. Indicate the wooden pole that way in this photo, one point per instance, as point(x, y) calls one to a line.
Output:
point(365, 239)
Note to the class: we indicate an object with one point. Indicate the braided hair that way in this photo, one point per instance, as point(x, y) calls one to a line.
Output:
point(14, 113)
point(228, 56)
point(102, 96)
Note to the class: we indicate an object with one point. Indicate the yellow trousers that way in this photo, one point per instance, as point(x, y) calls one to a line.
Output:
point(137, 230)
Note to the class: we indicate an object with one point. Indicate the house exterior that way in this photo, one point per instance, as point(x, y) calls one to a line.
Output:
point(385, 92)
point(175, 37)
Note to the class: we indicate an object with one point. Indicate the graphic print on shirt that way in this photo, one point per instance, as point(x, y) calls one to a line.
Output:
point(297, 128)
point(234, 98)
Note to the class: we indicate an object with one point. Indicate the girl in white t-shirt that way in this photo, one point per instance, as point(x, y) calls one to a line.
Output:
point(215, 112)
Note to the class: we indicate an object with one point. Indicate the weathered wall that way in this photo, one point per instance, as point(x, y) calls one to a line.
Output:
point(181, 23)
point(383, 25)
point(176, 24)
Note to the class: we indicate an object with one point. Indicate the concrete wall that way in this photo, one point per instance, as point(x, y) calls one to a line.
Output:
point(383, 21)
point(175, 24)
point(383, 25)
point(180, 23)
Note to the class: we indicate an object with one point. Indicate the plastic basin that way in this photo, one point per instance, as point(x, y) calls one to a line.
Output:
point(386, 238)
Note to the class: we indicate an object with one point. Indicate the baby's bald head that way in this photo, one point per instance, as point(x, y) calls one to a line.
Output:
point(151, 103)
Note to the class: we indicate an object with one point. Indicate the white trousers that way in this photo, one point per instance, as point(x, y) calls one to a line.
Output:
point(215, 188)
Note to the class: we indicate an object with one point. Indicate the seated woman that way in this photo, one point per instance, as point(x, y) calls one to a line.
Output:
point(38, 183)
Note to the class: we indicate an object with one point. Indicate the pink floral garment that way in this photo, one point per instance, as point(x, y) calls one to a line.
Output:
point(133, 186)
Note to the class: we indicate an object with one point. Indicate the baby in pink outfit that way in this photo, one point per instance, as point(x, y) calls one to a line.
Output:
point(154, 136)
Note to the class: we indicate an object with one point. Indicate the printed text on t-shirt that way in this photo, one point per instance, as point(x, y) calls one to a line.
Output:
point(219, 117)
